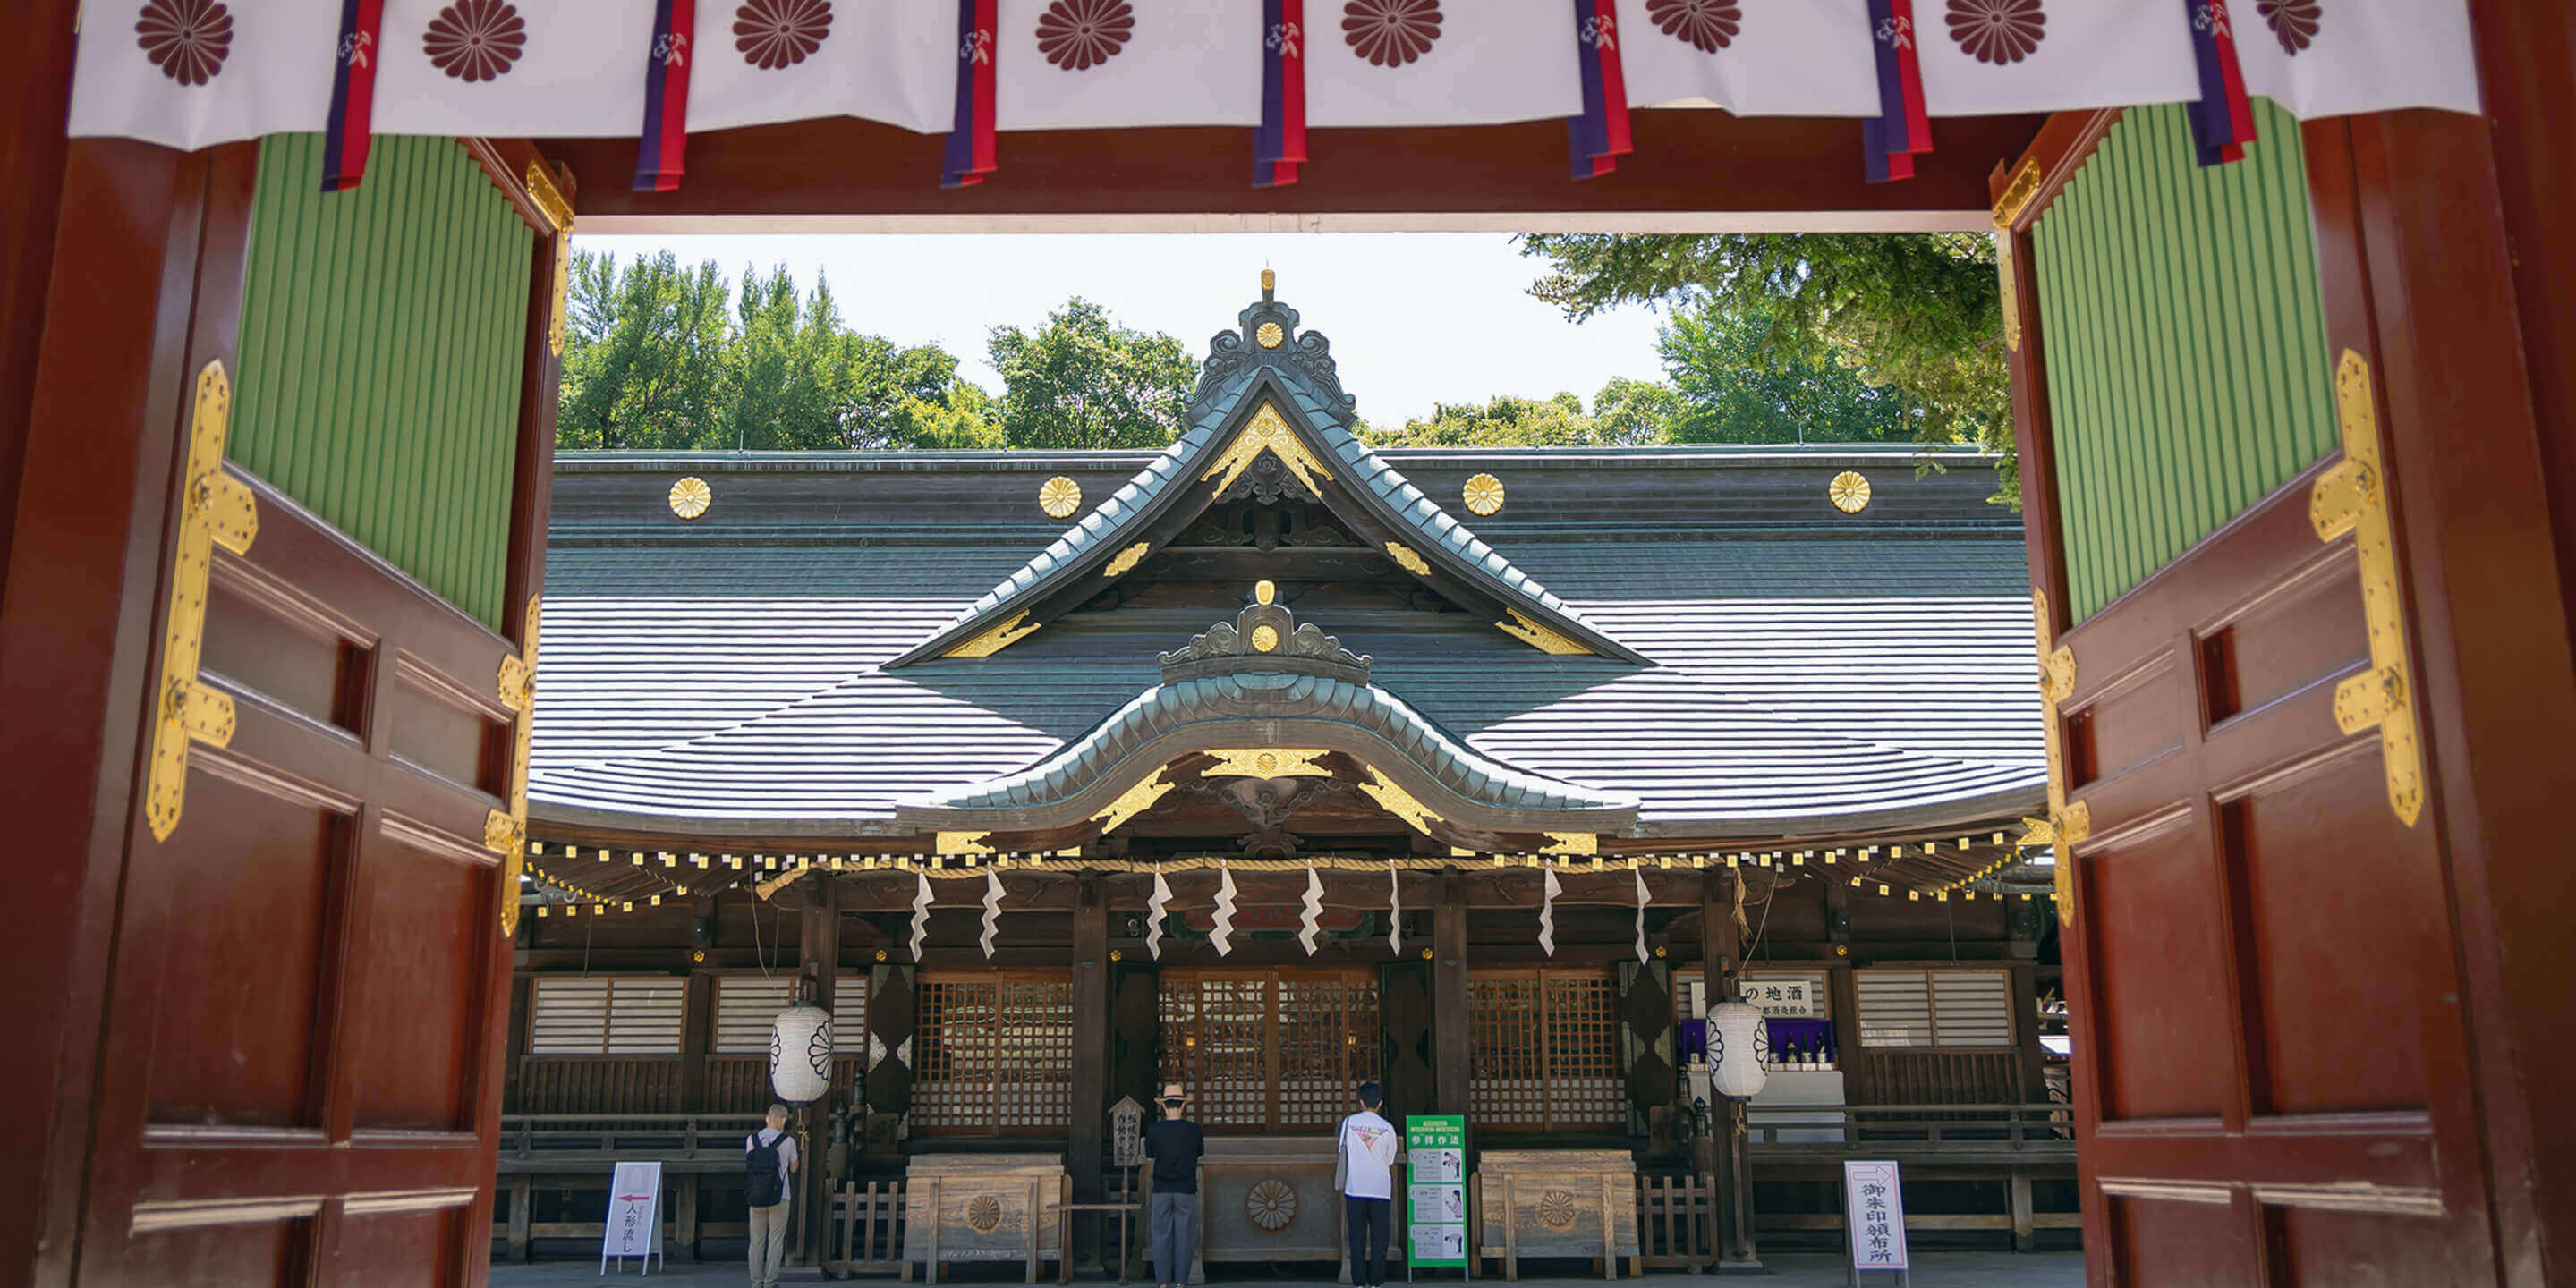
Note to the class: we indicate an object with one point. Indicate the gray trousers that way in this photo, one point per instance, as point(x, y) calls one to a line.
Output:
point(1176, 1236)
point(768, 1243)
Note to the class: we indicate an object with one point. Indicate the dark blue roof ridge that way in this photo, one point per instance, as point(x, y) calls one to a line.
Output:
point(1053, 460)
point(1309, 353)
point(1311, 414)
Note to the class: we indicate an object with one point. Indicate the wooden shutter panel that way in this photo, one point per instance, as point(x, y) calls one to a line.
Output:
point(569, 1017)
point(1895, 1008)
point(746, 1007)
point(1972, 1008)
point(644, 1016)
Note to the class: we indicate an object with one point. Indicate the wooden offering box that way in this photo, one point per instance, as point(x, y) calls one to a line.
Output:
point(1557, 1203)
point(983, 1207)
point(1269, 1198)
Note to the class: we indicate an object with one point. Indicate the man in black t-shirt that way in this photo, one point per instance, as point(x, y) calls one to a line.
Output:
point(1175, 1143)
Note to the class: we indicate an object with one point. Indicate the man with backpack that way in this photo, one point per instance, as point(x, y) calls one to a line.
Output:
point(769, 1157)
point(1364, 1171)
point(1175, 1144)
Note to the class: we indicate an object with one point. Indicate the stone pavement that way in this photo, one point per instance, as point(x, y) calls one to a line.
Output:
point(1787, 1270)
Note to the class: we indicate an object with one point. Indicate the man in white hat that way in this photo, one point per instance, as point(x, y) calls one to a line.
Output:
point(1174, 1143)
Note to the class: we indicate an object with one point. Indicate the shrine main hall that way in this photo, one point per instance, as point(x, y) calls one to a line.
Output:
point(1273, 763)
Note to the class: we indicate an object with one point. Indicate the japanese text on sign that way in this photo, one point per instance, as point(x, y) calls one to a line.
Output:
point(1784, 998)
point(1874, 1207)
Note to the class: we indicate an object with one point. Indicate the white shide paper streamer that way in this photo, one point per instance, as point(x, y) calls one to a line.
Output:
point(1394, 912)
point(1640, 874)
point(1222, 935)
point(920, 912)
point(1548, 890)
point(1154, 918)
point(992, 910)
point(1310, 926)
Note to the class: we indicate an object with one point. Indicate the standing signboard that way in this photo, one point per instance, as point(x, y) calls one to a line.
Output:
point(1435, 1151)
point(1874, 1215)
point(634, 1215)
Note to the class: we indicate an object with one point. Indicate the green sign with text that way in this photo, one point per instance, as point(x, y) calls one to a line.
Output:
point(1435, 1151)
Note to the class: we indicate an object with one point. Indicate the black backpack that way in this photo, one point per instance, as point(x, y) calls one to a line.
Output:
point(762, 1186)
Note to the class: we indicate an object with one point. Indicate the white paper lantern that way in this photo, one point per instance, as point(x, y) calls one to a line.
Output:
point(800, 1054)
point(1739, 1044)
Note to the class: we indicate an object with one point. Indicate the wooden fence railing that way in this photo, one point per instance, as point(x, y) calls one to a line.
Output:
point(1677, 1222)
point(1959, 1133)
point(573, 1138)
point(867, 1230)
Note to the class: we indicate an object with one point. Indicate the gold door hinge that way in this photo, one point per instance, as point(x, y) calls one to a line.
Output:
point(549, 199)
point(2066, 823)
point(2353, 497)
point(507, 833)
point(215, 509)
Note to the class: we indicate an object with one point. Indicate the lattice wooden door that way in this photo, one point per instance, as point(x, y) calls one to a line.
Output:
point(1270, 1050)
point(993, 1053)
point(1544, 1047)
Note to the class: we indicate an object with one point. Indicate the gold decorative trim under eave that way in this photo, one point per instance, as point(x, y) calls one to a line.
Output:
point(550, 199)
point(1399, 802)
point(998, 638)
point(1572, 843)
point(1267, 431)
point(1406, 558)
point(2352, 497)
point(1538, 636)
point(2066, 824)
point(215, 509)
point(1059, 497)
point(1126, 560)
point(506, 834)
point(2011, 291)
point(1267, 762)
point(2017, 194)
point(1134, 801)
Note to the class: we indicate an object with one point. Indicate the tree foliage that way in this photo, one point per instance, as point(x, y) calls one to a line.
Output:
point(657, 357)
point(1917, 314)
point(1083, 381)
point(1730, 386)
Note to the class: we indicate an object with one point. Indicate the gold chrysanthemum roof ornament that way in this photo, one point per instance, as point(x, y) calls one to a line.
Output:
point(1059, 497)
point(1850, 492)
point(1483, 494)
point(691, 496)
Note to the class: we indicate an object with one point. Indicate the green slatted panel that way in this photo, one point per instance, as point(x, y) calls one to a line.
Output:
point(2185, 339)
point(382, 340)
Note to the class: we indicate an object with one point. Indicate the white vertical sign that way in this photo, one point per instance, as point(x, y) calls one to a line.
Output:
point(1874, 1212)
point(634, 1212)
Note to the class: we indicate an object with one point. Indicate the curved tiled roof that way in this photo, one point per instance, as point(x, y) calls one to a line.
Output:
point(1301, 368)
point(1271, 707)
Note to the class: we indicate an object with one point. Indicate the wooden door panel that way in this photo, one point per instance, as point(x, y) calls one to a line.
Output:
point(2177, 1244)
point(2320, 1248)
point(245, 906)
point(261, 1252)
point(398, 1247)
point(2329, 912)
point(2156, 1057)
point(412, 1052)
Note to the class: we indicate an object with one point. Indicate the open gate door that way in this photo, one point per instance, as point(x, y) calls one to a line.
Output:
point(2272, 979)
point(315, 626)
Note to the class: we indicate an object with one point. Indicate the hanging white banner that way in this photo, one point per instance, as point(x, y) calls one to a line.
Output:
point(1548, 890)
point(1992, 57)
point(992, 910)
point(784, 60)
point(1104, 64)
point(192, 75)
point(1439, 62)
point(920, 911)
point(1310, 925)
point(494, 68)
point(1155, 914)
point(1807, 59)
point(1640, 875)
point(1223, 934)
point(2320, 59)
point(1394, 911)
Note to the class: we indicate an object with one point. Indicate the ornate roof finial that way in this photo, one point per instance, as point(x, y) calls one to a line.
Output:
point(1269, 287)
point(1265, 636)
point(1263, 592)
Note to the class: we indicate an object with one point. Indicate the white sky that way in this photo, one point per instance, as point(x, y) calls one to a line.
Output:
point(1415, 318)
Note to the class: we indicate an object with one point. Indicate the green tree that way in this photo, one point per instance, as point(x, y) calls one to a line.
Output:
point(1919, 313)
point(1082, 381)
point(1729, 386)
point(642, 353)
point(1629, 412)
point(797, 379)
point(1505, 421)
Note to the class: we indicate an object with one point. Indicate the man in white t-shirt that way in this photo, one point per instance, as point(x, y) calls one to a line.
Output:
point(767, 1195)
point(1364, 1171)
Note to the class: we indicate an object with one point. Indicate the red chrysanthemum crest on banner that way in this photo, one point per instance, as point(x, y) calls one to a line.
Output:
point(186, 39)
point(1708, 24)
point(1998, 31)
point(773, 34)
point(1078, 35)
point(2293, 22)
point(476, 40)
point(1391, 33)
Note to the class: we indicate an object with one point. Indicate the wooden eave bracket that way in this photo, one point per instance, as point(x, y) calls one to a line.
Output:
point(215, 509)
point(2352, 498)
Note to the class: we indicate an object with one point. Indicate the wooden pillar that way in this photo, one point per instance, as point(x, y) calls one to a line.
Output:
point(697, 1024)
point(1842, 996)
point(2024, 1227)
point(1090, 1113)
point(1449, 995)
point(522, 1200)
point(818, 945)
point(1721, 955)
point(684, 1215)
